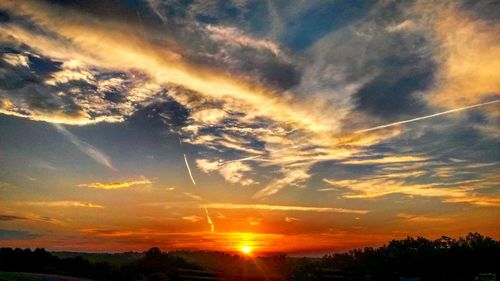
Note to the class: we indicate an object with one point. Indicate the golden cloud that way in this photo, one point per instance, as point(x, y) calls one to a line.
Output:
point(117, 185)
point(468, 57)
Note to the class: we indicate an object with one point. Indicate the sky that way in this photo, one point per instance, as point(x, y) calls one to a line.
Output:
point(293, 126)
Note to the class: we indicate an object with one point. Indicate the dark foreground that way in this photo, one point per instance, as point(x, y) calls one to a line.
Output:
point(471, 258)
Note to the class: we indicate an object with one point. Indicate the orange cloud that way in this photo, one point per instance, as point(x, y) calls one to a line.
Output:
point(468, 56)
point(117, 185)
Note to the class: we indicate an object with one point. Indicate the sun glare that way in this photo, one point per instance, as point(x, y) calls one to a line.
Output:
point(246, 250)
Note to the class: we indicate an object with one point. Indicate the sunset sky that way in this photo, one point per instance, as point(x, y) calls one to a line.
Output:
point(217, 125)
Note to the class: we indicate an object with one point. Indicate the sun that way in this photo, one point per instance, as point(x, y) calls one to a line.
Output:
point(247, 250)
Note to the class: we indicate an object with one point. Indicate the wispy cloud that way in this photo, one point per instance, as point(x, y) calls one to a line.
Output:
point(8, 234)
point(11, 218)
point(421, 218)
point(291, 219)
point(61, 204)
point(232, 36)
point(193, 196)
point(294, 133)
point(31, 217)
point(231, 206)
point(117, 185)
point(234, 173)
point(86, 148)
point(192, 218)
point(465, 43)
point(383, 184)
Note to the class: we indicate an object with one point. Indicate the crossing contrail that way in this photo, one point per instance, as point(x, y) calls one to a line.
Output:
point(426, 117)
point(189, 170)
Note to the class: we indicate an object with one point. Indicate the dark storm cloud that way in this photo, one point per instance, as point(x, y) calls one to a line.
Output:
point(6, 234)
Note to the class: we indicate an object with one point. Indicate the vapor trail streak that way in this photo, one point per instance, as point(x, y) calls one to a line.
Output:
point(189, 170)
point(210, 222)
point(426, 117)
point(240, 160)
point(86, 148)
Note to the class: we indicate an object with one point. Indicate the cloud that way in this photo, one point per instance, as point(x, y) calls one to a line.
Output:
point(86, 148)
point(234, 173)
point(393, 182)
point(63, 204)
point(231, 206)
point(386, 160)
point(467, 54)
point(16, 59)
point(10, 218)
point(428, 116)
point(355, 74)
point(402, 26)
point(254, 221)
point(209, 115)
point(206, 165)
point(232, 36)
point(118, 185)
point(421, 219)
point(192, 218)
point(291, 219)
point(291, 176)
point(31, 217)
point(6, 234)
point(194, 87)
point(193, 196)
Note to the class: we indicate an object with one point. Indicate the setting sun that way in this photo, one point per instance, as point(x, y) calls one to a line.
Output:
point(246, 250)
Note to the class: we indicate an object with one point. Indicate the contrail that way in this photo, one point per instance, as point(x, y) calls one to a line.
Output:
point(426, 117)
point(86, 148)
point(189, 170)
point(240, 160)
point(210, 222)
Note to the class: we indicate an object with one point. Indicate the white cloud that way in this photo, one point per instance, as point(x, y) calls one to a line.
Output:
point(234, 37)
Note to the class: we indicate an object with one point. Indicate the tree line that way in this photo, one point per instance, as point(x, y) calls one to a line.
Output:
point(441, 259)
